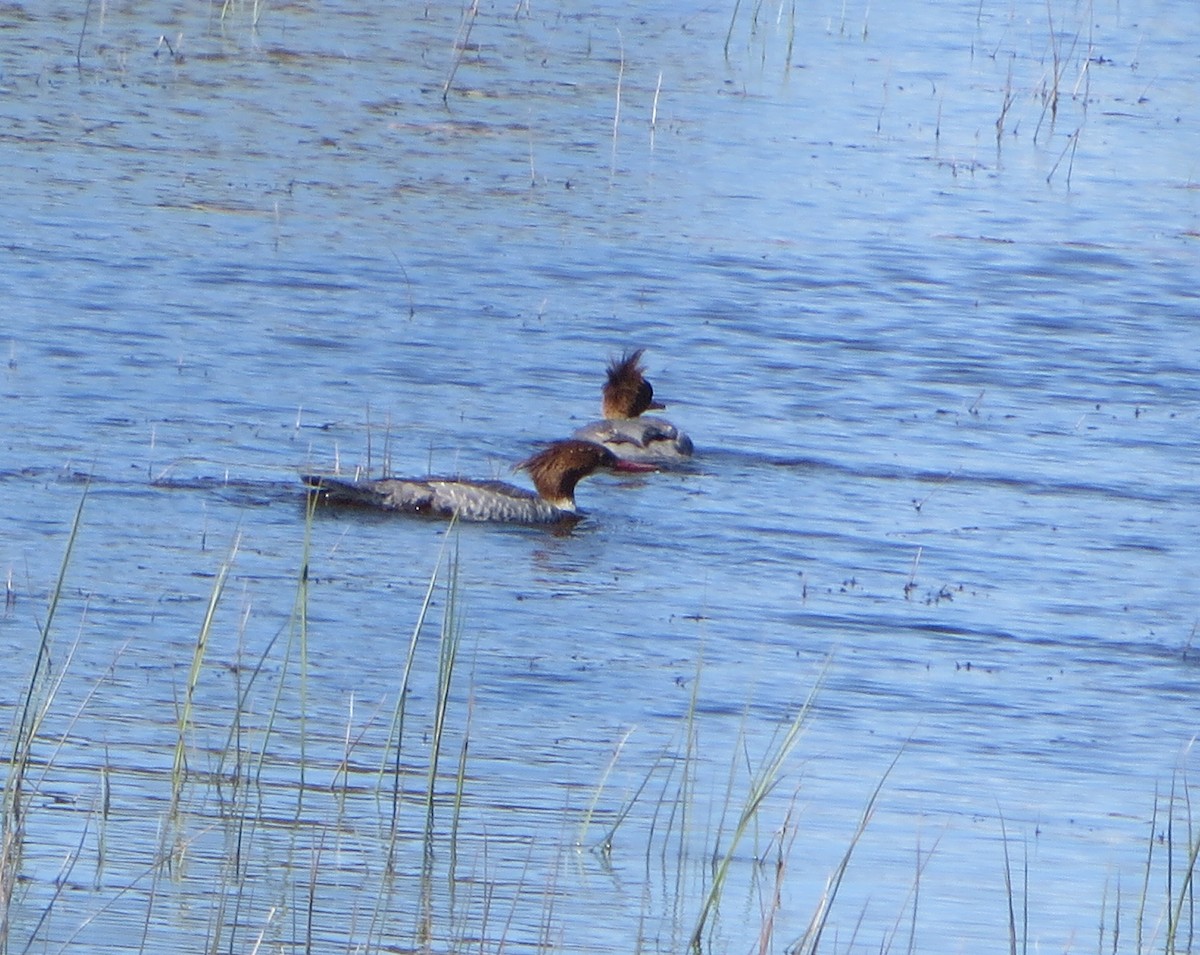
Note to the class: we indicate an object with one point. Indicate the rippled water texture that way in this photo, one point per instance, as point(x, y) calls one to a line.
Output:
point(918, 279)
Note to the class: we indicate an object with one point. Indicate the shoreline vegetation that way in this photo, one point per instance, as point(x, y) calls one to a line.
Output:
point(246, 803)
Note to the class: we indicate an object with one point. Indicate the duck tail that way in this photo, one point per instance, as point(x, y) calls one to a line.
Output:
point(333, 490)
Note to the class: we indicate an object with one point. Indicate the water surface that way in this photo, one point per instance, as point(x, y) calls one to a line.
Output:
point(930, 324)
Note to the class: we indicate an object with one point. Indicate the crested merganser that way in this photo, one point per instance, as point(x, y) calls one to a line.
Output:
point(624, 430)
point(555, 471)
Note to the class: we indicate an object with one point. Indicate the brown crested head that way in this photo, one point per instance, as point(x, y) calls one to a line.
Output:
point(556, 469)
point(627, 393)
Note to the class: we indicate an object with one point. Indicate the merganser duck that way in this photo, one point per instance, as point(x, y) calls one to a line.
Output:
point(624, 431)
point(554, 471)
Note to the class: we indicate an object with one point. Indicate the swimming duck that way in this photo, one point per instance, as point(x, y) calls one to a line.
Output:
point(625, 430)
point(554, 471)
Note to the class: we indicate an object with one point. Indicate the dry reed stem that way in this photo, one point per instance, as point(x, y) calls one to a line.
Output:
point(617, 109)
point(461, 39)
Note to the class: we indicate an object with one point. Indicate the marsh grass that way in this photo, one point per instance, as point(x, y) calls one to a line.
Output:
point(1178, 885)
point(256, 7)
point(810, 942)
point(764, 21)
point(179, 766)
point(270, 834)
point(1018, 934)
point(763, 780)
point(1068, 153)
point(1042, 85)
point(391, 772)
point(34, 704)
point(748, 784)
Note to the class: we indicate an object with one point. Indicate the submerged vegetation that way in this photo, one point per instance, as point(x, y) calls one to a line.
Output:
point(286, 834)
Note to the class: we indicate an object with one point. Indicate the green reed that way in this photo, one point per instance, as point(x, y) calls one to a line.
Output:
point(1179, 899)
point(762, 783)
point(810, 942)
point(395, 742)
point(666, 795)
point(1015, 934)
point(184, 721)
point(670, 821)
point(460, 780)
point(451, 637)
point(605, 844)
point(34, 704)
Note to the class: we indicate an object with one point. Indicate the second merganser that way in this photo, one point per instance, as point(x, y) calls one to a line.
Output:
point(554, 471)
point(625, 430)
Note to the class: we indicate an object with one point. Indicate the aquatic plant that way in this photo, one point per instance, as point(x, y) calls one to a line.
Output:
point(33, 706)
point(265, 825)
point(179, 766)
point(764, 779)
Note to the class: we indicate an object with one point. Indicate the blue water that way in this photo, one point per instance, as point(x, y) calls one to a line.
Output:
point(942, 382)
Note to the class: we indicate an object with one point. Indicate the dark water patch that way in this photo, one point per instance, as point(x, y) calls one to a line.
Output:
point(1030, 483)
point(233, 490)
point(880, 624)
point(68, 476)
point(233, 274)
point(238, 492)
point(301, 341)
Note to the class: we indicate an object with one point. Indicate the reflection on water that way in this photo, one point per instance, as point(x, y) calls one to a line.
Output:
point(919, 282)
